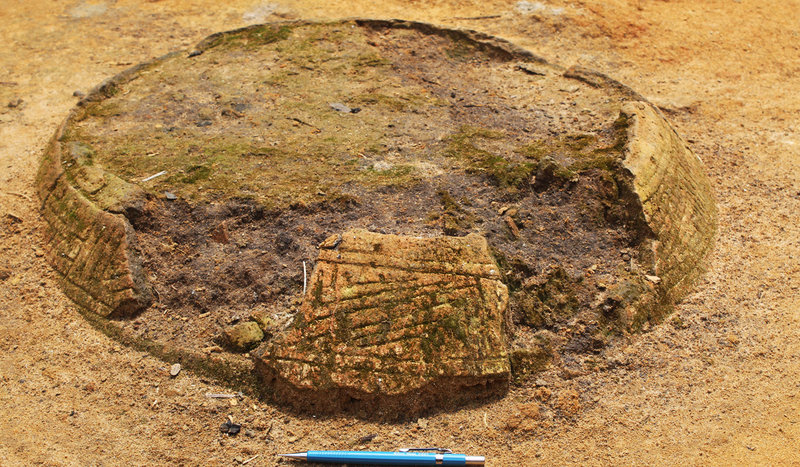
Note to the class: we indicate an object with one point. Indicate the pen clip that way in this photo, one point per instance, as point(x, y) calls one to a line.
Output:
point(442, 450)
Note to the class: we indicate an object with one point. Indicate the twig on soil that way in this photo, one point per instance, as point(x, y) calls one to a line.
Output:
point(147, 179)
point(14, 193)
point(304, 278)
point(221, 396)
point(251, 459)
point(476, 17)
point(301, 122)
point(529, 71)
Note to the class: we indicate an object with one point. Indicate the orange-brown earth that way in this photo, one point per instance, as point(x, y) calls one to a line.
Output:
point(715, 384)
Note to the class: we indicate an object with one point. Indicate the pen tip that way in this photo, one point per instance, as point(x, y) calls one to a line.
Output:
point(299, 455)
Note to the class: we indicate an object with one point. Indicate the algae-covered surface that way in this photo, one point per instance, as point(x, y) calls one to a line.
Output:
point(233, 162)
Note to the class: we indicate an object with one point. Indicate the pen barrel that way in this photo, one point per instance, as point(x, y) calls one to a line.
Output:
point(392, 458)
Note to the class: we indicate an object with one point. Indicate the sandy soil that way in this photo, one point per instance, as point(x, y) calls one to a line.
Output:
point(717, 384)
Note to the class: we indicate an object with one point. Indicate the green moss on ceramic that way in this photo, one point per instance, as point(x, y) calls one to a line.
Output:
point(534, 150)
point(453, 217)
point(253, 36)
point(196, 173)
point(530, 360)
point(551, 302)
point(461, 49)
point(104, 109)
point(244, 336)
point(562, 158)
point(397, 103)
point(265, 322)
point(572, 154)
point(465, 145)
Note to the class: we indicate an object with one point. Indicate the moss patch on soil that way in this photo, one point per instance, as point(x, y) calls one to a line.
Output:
point(267, 131)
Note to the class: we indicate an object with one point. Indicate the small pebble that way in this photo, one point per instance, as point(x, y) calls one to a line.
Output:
point(382, 166)
point(175, 369)
point(339, 107)
point(170, 196)
point(653, 279)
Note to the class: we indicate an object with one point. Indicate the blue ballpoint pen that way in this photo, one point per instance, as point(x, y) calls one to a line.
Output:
point(409, 456)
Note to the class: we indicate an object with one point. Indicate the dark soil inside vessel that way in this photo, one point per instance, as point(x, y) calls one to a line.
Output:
point(213, 264)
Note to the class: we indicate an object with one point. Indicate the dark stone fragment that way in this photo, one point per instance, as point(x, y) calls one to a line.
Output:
point(232, 429)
